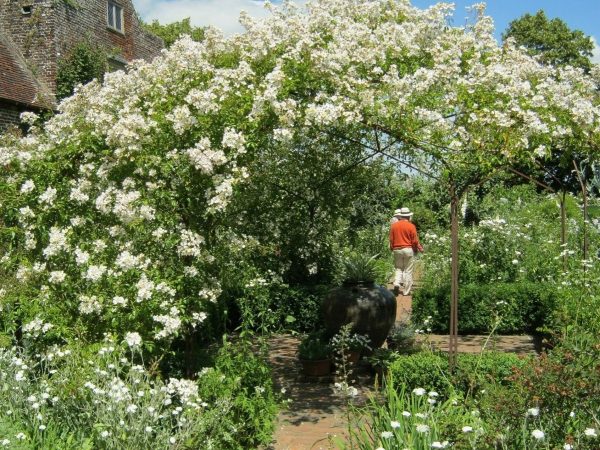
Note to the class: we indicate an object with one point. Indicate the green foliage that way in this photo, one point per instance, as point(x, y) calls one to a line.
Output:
point(102, 397)
point(564, 385)
point(429, 200)
point(382, 357)
point(170, 32)
point(552, 40)
point(346, 341)
point(242, 378)
point(315, 346)
point(422, 370)
point(510, 308)
point(577, 310)
point(414, 420)
point(317, 201)
point(359, 268)
point(267, 304)
point(473, 371)
point(299, 306)
point(401, 337)
point(512, 398)
point(86, 61)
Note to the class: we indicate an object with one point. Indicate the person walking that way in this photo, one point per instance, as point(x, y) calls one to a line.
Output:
point(404, 243)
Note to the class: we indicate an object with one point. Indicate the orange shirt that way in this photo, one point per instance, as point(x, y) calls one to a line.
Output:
point(404, 234)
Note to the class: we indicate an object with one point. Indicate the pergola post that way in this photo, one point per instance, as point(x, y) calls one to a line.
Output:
point(453, 332)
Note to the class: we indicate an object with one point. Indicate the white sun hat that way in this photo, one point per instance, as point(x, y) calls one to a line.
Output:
point(403, 212)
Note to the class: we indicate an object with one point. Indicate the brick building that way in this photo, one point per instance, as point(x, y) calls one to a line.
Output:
point(36, 34)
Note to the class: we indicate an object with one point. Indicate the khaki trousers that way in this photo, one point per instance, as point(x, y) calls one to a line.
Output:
point(404, 262)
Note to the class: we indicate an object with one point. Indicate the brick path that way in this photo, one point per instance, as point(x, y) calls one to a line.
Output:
point(316, 413)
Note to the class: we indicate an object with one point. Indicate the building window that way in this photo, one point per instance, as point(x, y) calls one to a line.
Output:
point(115, 17)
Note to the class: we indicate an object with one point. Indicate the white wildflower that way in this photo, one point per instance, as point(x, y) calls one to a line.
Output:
point(422, 428)
point(538, 434)
point(133, 339)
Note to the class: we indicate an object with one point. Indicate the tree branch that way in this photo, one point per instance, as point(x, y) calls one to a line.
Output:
point(539, 183)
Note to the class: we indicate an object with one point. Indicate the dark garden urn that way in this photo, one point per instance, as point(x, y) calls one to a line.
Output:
point(369, 307)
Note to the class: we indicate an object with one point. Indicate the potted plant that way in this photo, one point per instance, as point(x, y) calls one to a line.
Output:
point(359, 270)
point(314, 353)
point(349, 345)
point(381, 359)
point(370, 308)
point(402, 338)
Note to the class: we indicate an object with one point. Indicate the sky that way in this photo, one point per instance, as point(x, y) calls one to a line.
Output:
point(583, 15)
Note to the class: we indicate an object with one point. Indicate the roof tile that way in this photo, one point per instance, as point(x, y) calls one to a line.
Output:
point(17, 82)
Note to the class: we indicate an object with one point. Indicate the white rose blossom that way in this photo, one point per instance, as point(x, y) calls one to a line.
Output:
point(147, 149)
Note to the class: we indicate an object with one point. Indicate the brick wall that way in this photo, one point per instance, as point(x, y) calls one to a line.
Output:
point(33, 34)
point(9, 115)
point(54, 27)
point(90, 20)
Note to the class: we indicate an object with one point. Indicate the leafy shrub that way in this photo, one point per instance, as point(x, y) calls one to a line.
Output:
point(382, 358)
point(516, 239)
point(85, 62)
point(270, 305)
point(473, 371)
point(242, 383)
point(299, 306)
point(501, 417)
point(422, 370)
point(564, 385)
point(402, 337)
point(512, 307)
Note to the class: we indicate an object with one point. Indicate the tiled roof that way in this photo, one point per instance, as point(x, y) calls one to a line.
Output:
point(17, 82)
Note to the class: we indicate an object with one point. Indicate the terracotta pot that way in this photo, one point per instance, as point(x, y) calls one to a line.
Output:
point(353, 357)
point(369, 307)
point(316, 367)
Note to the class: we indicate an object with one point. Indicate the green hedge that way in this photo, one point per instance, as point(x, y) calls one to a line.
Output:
point(473, 371)
point(523, 307)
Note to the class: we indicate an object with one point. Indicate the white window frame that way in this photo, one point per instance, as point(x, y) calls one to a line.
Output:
point(117, 11)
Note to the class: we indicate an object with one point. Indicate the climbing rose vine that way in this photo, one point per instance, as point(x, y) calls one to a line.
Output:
point(115, 210)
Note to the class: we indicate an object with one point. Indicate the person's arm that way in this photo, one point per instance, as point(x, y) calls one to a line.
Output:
point(416, 244)
point(391, 238)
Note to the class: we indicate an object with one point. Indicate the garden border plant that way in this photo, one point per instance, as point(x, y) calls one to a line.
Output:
point(116, 211)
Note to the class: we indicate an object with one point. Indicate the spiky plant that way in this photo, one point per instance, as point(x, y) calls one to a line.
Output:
point(359, 269)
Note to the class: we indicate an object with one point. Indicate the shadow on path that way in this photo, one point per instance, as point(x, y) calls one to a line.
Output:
point(315, 411)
